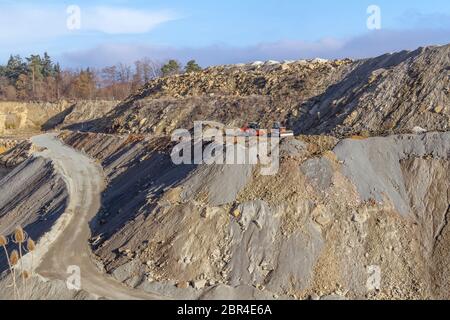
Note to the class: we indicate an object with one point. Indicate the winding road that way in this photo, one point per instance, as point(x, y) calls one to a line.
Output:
point(67, 243)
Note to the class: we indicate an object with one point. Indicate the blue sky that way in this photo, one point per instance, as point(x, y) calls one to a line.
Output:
point(217, 32)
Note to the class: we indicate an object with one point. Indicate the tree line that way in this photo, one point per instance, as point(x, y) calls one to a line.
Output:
point(39, 78)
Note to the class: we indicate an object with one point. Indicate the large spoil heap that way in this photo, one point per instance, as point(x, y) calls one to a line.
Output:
point(393, 93)
point(359, 207)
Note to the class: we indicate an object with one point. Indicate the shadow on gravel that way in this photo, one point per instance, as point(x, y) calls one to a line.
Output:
point(140, 186)
point(87, 126)
point(58, 119)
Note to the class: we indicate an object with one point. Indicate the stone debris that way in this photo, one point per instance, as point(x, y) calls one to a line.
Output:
point(199, 284)
point(182, 285)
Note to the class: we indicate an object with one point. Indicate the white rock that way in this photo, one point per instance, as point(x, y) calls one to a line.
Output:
point(257, 63)
point(360, 217)
point(271, 62)
point(418, 130)
point(319, 60)
point(211, 283)
point(199, 284)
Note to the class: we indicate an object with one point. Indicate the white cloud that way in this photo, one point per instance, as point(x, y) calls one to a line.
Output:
point(20, 23)
point(113, 20)
point(30, 23)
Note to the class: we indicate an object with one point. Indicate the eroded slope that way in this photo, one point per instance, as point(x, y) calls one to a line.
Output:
point(311, 230)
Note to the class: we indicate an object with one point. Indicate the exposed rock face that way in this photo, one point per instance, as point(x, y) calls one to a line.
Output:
point(313, 229)
point(19, 118)
point(376, 166)
point(2, 123)
point(22, 118)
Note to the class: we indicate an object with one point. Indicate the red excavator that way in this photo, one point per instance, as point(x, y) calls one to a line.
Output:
point(253, 130)
point(280, 131)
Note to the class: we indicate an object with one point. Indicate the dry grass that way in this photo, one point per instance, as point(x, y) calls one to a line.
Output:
point(21, 239)
point(19, 235)
point(3, 241)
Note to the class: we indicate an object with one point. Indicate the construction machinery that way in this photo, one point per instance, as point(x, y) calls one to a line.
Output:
point(253, 130)
point(281, 131)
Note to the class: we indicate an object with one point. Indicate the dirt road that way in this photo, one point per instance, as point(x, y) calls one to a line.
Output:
point(67, 244)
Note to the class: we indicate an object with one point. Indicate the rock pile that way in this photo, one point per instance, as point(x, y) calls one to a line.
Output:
point(393, 93)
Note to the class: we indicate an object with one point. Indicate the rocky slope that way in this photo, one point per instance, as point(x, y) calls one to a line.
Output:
point(33, 196)
point(312, 230)
point(230, 94)
point(78, 112)
point(393, 93)
point(359, 210)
